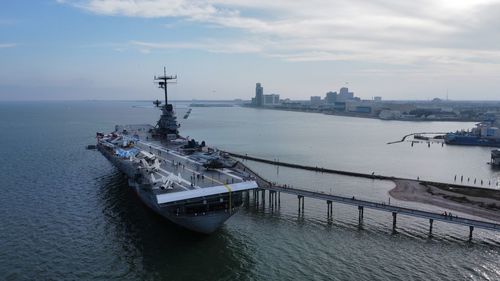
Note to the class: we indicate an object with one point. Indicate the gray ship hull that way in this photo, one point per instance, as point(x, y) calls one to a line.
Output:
point(203, 222)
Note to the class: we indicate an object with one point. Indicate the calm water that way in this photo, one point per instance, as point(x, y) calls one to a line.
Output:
point(68, 214)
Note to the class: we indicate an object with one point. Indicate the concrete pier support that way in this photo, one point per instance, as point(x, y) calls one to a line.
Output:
point(279, 198)
point(471, 229)
point(431, 221)
point(394, 216)
point(360, 215)
point(263, 198)
point(301, 203)
point(273, 199)
point(247, 198)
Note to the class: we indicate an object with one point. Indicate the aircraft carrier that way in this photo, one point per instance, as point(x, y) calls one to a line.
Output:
point(185, 181)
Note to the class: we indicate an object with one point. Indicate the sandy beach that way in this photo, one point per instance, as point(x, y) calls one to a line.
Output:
point(484, 203)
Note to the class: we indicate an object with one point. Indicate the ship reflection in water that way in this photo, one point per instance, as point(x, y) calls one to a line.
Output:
point(155, 249)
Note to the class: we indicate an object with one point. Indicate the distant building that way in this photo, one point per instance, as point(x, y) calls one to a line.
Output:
point(344, 94)
point(339, 106)
point(388, 114)
point(271, 99)
point(316, 100)
point(259, 95)
point(331, 97)
point(377, 98)
point(363, 109)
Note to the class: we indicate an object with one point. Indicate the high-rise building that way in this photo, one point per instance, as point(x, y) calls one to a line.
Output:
point(344, 94)
point(331, 97)
point(259, 95)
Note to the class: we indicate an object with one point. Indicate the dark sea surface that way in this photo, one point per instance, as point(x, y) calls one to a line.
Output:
point(67, 214)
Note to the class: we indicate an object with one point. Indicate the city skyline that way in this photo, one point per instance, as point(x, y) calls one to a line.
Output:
point(106, 49)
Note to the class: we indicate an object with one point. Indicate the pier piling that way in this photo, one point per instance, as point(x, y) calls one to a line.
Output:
point(360, 215)
point(301, 203)
point(394, 215)
point(431, 221)
point(329, 209)
point(471, 229)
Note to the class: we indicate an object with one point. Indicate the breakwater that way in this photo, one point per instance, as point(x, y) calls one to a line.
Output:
point(359, 174)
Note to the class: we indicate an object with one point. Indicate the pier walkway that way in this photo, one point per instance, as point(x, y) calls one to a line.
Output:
point(275, 190)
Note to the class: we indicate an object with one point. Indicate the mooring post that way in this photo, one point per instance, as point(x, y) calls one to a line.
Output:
point(298, 196)
point(394, 214)
point(471, 228)
point(279, 198)
point(302, 204)
point(431, 221)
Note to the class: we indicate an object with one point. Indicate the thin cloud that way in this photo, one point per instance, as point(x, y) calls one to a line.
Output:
point(4, 22)
point(7, 45)
point(425, 32)
point(208, 45)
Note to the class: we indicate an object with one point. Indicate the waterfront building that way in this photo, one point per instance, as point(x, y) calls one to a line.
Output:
point(388, 114)
point(345, 95)
point(259, 95)
point(316, 100)
point(331, 97)
point(377, 98)
point(272, 99)
point(339, 106)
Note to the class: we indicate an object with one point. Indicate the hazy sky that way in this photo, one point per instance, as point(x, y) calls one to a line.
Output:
point(110, 49)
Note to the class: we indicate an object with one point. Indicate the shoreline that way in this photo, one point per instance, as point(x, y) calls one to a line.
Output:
point(468, 201)
point(476, 201)
point(361, 115)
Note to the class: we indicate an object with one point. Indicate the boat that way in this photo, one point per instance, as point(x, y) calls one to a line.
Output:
point(495, 158)
point(485, 133)
point(181, 179)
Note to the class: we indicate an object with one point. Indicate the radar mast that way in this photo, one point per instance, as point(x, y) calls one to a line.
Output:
point(167, 126)
point(163, 81)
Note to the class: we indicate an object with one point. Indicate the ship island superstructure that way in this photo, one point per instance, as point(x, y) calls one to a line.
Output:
point(187, 182)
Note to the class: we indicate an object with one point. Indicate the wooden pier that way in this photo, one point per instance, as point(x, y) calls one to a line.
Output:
point(275, 191)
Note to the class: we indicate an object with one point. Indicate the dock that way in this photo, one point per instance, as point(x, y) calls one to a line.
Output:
point(275, 190)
